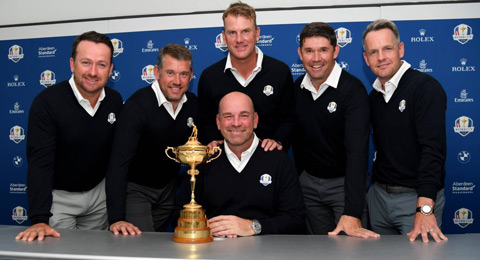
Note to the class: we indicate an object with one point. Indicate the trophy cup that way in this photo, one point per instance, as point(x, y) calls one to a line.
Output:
point(192, 225)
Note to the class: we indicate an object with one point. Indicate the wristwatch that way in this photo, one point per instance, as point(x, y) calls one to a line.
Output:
point(256, 226)
point(425, 210)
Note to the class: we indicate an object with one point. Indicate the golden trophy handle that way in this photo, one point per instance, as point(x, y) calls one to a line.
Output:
point(174, 152)
point(213, 150)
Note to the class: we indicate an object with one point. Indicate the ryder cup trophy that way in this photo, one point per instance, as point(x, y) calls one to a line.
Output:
point(192, 225)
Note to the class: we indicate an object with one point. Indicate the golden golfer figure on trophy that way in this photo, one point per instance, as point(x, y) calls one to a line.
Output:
point(192, 225)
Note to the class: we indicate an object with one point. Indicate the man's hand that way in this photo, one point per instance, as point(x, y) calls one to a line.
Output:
point(124, 227)
point(230, 226)
point(270, 145)
point(40, 230)
point(352, 226)
point(214, 144)
point(423, 224)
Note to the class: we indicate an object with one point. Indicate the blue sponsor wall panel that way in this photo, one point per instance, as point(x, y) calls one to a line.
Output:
point(446, 49)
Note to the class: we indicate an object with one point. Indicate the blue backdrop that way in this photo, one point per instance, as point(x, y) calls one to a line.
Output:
point(446, 49)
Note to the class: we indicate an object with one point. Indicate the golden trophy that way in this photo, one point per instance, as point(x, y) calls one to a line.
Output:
point(192, 225)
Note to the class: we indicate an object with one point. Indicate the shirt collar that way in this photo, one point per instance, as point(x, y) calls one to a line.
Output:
point(249, 151)
point(258, 66)
point(332, 81)
point(161, 99)
point(394, 80)
point(79, 96)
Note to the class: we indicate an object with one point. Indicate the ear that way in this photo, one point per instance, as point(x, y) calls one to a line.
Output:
point(111, 69)
point(156, 71)
point(255, 120)
point(218, 122)
point(72, 65)
point(336, 51)
point(257, 37)
point(299, 51)
point(401, 49)
point(366, 59)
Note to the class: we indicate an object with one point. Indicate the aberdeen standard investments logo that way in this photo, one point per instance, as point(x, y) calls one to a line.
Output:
point(463, 187)
point(463, 217)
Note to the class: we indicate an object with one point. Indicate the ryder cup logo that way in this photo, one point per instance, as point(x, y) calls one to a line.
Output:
point(15, 53)
point(17, 134)
point(463, 217)
point(462, 33)
point(463, 126)
point(148, 74)
point(265, 179)
point(332, 107)
point(220, 44)
point(47, 78)
point(19, 214)
point(117, 47)
point(344, 36)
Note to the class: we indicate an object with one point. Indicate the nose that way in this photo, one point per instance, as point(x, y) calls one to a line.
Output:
point(316, 56)
point(236, 121)
point(93, 70)
point(380, 55)
point(176, 79)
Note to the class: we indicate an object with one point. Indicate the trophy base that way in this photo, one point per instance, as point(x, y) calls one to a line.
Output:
point(192, 226)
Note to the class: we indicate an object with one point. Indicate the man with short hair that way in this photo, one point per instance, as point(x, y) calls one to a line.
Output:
point(267, 81)
point(70, 132)
point(140, 178)
point(331, 137)
point(247, 190)
point(407, 110)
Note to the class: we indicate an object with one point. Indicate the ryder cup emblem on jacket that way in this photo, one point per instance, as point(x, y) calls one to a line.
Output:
point(111, 118)
point(265, 179)
point(268, 90)
point(402, 105)
point(332, 107)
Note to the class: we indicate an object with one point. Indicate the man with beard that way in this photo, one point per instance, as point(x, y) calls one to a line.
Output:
point(140, 178)
point(331, 137)
point(247, 190)
point(70, 132)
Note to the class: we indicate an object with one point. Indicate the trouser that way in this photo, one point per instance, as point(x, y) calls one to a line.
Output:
point(79, 210)
point(149, 208)
point(392, 211)
point(325, 202)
